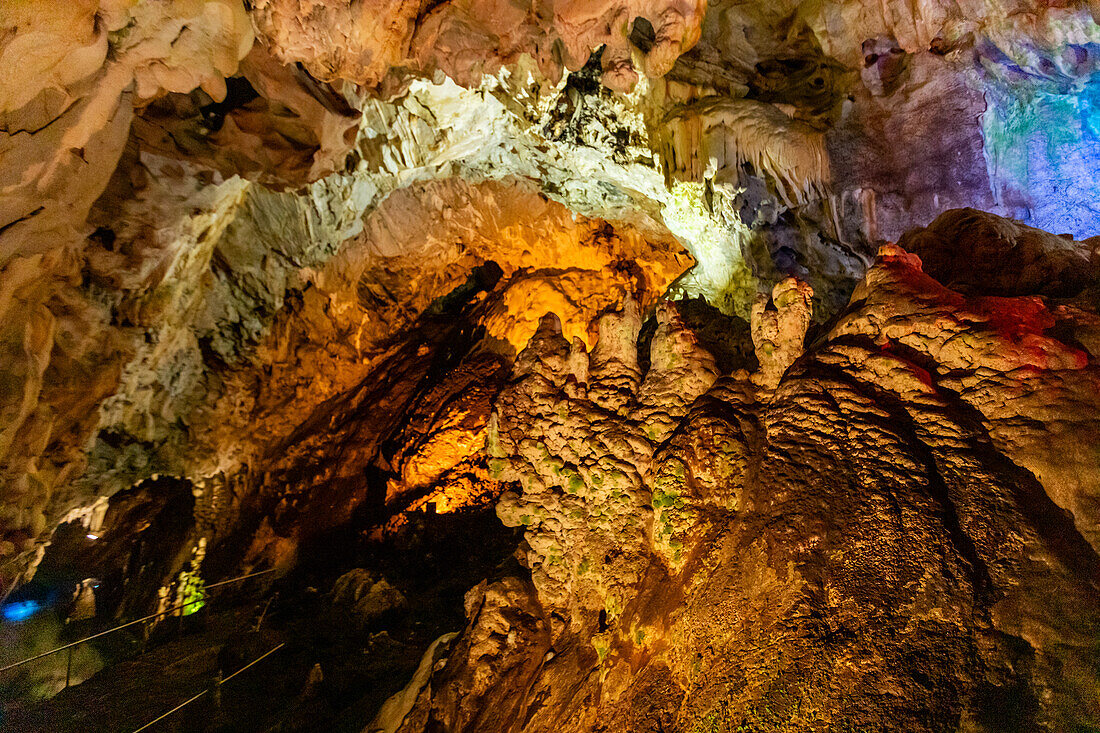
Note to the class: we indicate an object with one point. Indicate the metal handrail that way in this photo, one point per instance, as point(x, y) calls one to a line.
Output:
point(196, 697)
point(165, 612)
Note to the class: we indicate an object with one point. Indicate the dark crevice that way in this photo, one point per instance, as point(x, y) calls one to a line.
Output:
point(21, 219)
point(642, 35)
point(238, 93)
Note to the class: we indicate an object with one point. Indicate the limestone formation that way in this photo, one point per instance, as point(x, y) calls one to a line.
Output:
point(778, 334)
point(866, 548)
point(67, 106)
point(715, 138)
point(365, 42)
point(712, 344)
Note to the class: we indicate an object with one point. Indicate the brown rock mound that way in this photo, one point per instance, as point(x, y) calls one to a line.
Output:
point(902, 536)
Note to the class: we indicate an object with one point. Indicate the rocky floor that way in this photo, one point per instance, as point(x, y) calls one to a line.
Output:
point(365, 652)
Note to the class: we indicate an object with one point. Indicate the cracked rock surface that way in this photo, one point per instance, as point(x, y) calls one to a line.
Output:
point(337, 287)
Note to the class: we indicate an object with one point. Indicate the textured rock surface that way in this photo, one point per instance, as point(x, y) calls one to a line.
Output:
point(367, 597)
point(576, 431)
point(778, 333)
point(67, 105)
point(363, 41)
point(273, 124)
point(784, 141)
point(1001, 257)
point(286, 251)
point(878, 543)
point(216, 314)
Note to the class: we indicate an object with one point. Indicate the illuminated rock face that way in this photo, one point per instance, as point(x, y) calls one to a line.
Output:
point(298, 256)
point(364, 41)
point(576, 432)
point(879, 540)
point(65, 109)
point(1002, 257)
point(214, 315)
point(392, 359)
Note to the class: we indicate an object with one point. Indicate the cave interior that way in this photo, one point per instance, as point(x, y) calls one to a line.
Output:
point(617, 366)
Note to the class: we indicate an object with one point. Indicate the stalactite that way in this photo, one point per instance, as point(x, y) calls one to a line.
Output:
point(711, 139)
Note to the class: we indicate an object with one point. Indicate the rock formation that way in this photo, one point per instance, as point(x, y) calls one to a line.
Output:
point(732, 316)
point(859, 544)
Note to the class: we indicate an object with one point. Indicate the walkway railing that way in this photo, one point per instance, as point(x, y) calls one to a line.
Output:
point(185, 703)
point(166, 612)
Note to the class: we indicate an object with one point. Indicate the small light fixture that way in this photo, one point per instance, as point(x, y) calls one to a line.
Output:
point(92, 536)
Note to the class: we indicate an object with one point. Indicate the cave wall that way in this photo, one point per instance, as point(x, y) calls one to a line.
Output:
point(220, 216)
point(621, 271)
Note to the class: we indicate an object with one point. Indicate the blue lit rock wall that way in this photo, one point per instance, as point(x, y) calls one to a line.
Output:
point(905, 152)
point(1042, 136)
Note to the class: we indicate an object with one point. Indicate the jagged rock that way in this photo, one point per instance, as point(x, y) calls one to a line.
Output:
point(580, 451)
point(363, 43)
point(714, 138)
point(425, 443)
point(396, 709)
point(581, 469)
point(64, 130)
point(286, 249)
point(505, 645)
point(613, 373)
point(778, 334)
point(275, 124)
point(426, 238)
point(679, 370)
point(1001, 257)
point(366, 596)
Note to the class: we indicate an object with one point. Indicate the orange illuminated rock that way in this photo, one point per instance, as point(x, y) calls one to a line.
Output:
point(423, 241)
point(909, 502)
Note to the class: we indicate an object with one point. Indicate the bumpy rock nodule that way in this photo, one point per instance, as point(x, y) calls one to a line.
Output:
point(890, 539)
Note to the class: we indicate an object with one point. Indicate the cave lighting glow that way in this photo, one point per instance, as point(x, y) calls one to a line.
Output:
point(1041, 135)
point(194, 593)
point(20, 610)
point(720, 274)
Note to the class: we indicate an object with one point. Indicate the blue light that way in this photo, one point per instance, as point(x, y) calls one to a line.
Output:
point(1041, 136)
point(20, 610)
